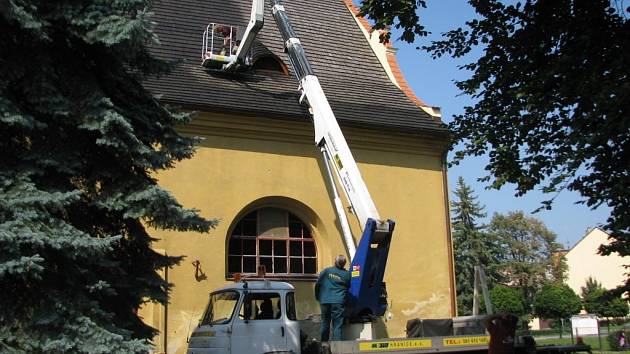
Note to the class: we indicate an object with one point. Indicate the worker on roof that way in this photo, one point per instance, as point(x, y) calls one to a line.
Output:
point(331, 291)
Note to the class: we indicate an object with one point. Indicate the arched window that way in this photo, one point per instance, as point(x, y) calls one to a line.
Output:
point(270, 63)
point(274, 238)
point(264, 60)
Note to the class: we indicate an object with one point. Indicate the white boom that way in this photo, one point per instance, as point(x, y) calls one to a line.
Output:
point(256, 22)
point(367, 293)
point(328, 135)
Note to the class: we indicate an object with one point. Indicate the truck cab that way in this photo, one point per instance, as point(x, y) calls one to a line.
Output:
point(248, 317)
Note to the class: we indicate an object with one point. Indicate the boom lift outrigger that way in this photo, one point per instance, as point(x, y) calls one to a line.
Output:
point(367, 290)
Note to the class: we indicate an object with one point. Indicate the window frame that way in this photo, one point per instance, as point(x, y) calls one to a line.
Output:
point(290, 306)
point(258, 295)
point(287, 239)
point(205, 321)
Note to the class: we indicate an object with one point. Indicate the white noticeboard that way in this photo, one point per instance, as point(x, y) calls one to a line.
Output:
point(584, 325)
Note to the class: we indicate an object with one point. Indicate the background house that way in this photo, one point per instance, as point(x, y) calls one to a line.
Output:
point(583, 261)
point(259, 172)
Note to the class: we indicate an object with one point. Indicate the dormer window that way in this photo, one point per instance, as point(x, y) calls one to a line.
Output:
point(270, 63)
point(263, 60)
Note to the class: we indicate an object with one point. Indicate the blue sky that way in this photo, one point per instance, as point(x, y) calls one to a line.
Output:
point(432, 81)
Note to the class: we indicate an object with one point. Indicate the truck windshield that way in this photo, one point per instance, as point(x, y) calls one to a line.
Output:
point(220, 308)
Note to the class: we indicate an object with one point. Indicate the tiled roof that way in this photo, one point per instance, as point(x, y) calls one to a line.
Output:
point(355, 83)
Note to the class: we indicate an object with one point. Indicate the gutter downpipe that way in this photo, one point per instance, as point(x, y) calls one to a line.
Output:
point(449, 236)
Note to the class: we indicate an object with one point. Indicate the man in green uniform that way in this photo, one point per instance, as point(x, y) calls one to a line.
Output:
point(331, 290)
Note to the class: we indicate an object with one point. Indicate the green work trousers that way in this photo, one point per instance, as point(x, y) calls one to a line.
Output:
point(331, 313)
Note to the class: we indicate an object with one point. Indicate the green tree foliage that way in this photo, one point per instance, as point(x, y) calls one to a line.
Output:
point(401, 14)
point(551, 96)
point(615, 307)
point(508, 300)
point(598, 300)
point(530, 252)
point(556, 301)
point(591, 286)
point(592, 292)
point(471, 244)
point(80, 139)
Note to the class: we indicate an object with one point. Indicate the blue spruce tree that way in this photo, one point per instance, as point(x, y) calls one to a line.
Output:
point(80, 139)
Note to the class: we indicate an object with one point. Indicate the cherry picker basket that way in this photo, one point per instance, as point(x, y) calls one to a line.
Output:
point(220, 43)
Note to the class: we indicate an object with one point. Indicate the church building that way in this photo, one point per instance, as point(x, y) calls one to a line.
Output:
point(258, 171)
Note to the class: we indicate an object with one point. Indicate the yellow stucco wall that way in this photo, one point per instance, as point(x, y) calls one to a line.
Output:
point(245, 163)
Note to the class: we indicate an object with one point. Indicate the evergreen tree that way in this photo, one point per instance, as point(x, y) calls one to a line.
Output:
point(591, 293)
point(530, 256)
point(471, 244)
point(80, 140)
point(590, 287)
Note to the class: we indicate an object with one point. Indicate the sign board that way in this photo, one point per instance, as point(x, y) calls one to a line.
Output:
point(584, 325)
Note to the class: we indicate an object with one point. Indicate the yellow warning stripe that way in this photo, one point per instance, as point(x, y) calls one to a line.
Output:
point(338, 161)
point(456, 341)
point(394, 345)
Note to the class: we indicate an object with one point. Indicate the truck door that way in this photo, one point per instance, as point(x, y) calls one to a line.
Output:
point(259, 327)
point(292, 325)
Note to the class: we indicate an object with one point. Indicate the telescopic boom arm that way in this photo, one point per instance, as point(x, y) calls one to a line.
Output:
point(367, 290)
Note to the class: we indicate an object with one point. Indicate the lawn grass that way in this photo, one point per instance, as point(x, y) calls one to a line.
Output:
point(592, 341)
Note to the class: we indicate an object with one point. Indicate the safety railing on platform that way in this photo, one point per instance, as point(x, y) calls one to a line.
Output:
point(220, 43)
